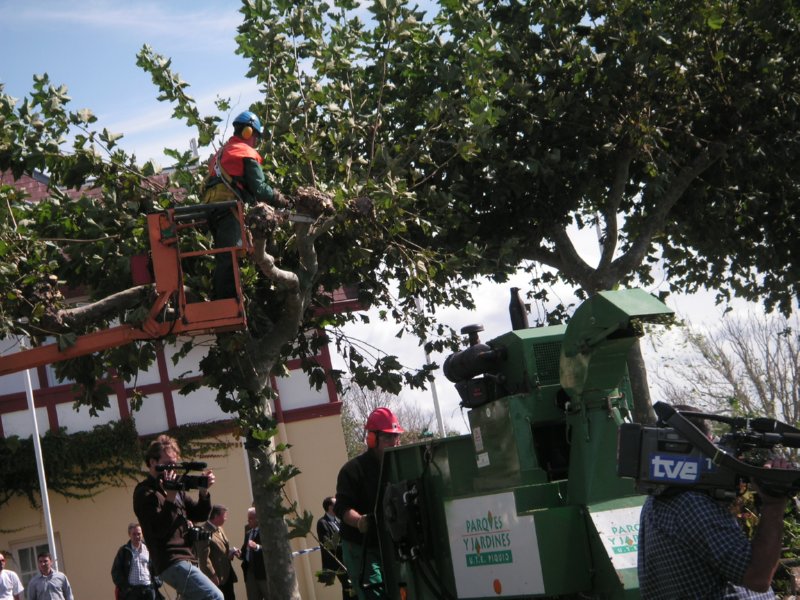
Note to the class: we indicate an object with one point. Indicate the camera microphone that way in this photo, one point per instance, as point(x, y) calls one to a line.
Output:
point(187, 466)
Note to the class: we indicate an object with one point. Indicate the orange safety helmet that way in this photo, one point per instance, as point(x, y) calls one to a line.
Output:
point(382, 419)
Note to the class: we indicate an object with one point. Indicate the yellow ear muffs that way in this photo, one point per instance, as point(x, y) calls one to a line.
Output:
point(247, 132)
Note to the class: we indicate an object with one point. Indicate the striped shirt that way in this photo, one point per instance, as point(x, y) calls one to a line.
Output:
point(139, 573)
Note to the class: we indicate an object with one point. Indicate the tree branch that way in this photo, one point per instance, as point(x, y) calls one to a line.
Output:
point(83, 316)
point(610, 209)
point(655, 221)
point(283, 279)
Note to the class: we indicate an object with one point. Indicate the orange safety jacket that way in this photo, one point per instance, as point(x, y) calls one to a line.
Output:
point(231, 181)
point(234, 152)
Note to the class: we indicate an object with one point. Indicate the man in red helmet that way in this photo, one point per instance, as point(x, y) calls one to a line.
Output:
point(234, 173)
point(356, 497)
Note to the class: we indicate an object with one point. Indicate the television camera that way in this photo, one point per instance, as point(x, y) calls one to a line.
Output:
point(184, 481)
point(678, 454)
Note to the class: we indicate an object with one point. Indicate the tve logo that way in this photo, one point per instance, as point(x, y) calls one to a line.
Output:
point(674, 468)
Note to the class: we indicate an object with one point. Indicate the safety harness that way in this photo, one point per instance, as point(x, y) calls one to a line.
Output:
point(221, 193)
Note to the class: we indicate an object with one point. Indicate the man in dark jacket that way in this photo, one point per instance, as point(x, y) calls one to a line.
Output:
point(356, 499)
point(167, 515)
point(215, 553)
point(234, 173)
point(252, 554)
point(328, 528)
point(132, 570)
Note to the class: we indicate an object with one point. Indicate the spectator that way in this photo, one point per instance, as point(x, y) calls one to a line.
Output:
point(132, 570)
point(49, 584)
point(10, 585)
point(215, 553)
point(328, 534)
point(255, 575)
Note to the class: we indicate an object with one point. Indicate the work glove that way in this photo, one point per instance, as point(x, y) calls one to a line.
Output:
point(279, 200)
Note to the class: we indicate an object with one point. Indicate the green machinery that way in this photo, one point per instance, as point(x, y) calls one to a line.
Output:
point(528, 505)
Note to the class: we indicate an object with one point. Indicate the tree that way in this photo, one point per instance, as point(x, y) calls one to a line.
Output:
point(747, 366)
point(481, 133)
point(510, 122)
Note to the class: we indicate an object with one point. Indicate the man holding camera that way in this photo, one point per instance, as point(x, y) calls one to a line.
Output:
point(691, 545)
point(167, 514)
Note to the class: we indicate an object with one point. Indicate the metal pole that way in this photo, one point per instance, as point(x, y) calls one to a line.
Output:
point(435, 395)
point(37, 447)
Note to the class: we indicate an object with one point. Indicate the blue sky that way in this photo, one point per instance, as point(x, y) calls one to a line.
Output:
point(91, 45)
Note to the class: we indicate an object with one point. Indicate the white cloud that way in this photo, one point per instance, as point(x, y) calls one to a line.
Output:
point(144, 18)
point(148, 132)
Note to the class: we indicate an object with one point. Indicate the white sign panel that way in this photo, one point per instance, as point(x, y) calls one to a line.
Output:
point(495, 552)
point(619, 531)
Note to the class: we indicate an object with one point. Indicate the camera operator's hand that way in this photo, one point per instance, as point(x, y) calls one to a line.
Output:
point(211, 479)
point(767, 542)
point(170, 476)
point(766, 498)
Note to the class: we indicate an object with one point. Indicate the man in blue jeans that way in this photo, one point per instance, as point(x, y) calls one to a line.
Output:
point(167, 516)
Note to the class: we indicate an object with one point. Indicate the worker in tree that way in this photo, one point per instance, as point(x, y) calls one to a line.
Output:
point(234, 173)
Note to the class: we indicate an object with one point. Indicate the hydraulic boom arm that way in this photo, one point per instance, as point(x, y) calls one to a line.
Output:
point(170, 314)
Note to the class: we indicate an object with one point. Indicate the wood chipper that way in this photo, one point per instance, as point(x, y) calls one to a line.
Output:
point(529, 504)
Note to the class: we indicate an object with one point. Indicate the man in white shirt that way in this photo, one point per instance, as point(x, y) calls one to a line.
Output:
point(10, 585)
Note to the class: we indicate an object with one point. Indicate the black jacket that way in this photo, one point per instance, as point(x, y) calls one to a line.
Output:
point(122, 568)
point(357, 488)
point(256, 561)
point(165, 524)
point(326, 529)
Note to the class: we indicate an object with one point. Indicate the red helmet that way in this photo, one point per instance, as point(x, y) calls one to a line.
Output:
point(382, 419)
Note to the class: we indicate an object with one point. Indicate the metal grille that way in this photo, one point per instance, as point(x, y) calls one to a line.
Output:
point(547, 359)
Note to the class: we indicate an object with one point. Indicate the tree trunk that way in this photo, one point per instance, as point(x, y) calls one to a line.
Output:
point(279, 567)
point(642, 407)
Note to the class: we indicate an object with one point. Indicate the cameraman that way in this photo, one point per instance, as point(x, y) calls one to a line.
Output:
point(691, 545)
point(166, 515)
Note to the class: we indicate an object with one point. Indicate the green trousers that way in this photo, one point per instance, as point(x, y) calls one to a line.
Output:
point(353, 555)
point(227, 232)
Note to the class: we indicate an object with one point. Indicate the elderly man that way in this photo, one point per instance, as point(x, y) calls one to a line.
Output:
point(252, 555)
